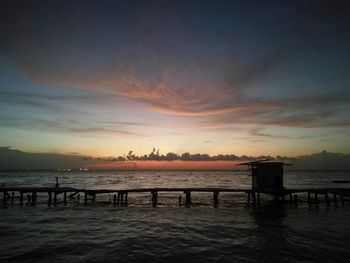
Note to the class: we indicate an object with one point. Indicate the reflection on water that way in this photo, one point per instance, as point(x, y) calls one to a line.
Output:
point(200, 234)
point(233, 232)
point(270, 231)
point(145, 179)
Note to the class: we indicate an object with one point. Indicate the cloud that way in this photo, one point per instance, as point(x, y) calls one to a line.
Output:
point(100, 131)
point(217, 71)
point(258, 132)
point(59, 124)
point(320, 110)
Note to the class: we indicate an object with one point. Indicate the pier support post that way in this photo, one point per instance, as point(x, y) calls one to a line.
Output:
point(115, 200)
point(188, 197)
point(154, 198)
point(78, 197)
point(121, 198)
point(290, 198)
point(216, 198)
point(118, 201)
point(126, 199)
point(254, 197)
point(309, 198)
point(295, 199)
point(50, 198)
point(180, 200)
point(258, 197)
point(335, 199)
point(326, 198)
point(93, 197)
point(316, 198)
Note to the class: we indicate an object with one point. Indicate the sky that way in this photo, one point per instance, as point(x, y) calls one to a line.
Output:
point(102, 78)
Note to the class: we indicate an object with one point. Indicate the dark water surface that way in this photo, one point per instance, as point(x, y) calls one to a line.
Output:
point(233, 232)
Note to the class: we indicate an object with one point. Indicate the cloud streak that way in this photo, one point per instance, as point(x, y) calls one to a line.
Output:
point(64, 125)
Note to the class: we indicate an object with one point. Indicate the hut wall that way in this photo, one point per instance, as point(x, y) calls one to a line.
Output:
point(265, 176)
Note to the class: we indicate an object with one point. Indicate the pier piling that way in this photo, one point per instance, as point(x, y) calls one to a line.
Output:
point(254, 197)
point(126, 199)
point(188, 197)
point(118, 201)
point(121, 198)
point(50, 198)
point(154, 198)
point(326, 198)
point(295, 199)
point(216, 198)
point(335, 199)
point(316, 198)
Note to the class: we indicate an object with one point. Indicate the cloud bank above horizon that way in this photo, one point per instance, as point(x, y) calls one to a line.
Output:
point(104, 77)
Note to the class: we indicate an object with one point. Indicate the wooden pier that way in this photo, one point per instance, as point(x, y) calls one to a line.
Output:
point(311, 196)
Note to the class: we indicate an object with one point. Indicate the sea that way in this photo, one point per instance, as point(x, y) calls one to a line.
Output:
point(232, 231)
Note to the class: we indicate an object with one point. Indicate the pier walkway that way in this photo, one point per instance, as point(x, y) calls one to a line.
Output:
point(120, 196)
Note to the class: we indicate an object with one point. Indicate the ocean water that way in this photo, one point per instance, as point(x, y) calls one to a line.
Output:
point(232, 232)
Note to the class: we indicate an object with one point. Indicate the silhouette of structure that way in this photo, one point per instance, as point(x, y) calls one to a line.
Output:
point(266, 175)
point(267, 179)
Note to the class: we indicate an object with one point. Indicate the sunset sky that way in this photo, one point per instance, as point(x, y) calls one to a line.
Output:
point(102, 78)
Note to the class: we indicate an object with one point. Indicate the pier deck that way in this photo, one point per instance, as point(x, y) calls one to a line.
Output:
point(121, 195)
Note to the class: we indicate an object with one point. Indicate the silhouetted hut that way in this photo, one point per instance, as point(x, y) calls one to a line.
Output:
point(266, 175)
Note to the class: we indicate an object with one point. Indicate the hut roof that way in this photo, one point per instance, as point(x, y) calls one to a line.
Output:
point(265, 162)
